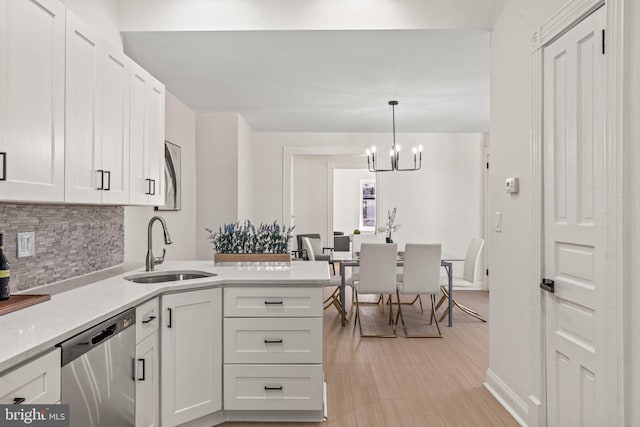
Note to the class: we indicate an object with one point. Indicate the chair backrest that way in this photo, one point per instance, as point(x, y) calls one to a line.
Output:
point(341, 243)
point(359, 239)
point(421, 271)
point(377, 268)
point(471, 259)
point(306, 245)
point(311, 235)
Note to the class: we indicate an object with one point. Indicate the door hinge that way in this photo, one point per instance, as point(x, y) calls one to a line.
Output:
point(603, 42)
point(486, 273)
point(487, 165)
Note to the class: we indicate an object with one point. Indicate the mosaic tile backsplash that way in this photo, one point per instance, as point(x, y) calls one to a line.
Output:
point(71, 240)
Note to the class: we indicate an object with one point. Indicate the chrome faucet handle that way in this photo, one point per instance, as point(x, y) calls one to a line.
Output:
point(160, 259)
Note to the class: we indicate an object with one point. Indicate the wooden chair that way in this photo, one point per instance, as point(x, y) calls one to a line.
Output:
point(420, 276)
point(377, 275)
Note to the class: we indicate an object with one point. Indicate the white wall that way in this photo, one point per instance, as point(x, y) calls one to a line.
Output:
point(346, 198)
point(510, 251)
point(441, 202)
point(632, 195)
point(245, 170)
point(217, 176)
point(179, 129)
point(101, 15)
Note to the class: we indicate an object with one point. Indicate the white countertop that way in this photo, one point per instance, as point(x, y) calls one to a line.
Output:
point(31, 331)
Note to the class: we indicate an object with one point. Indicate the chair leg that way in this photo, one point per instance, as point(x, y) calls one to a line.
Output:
point(431, 318)
point(466, 310)
point(359, 322)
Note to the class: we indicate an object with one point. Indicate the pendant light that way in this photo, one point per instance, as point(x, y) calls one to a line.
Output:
point(394, 153)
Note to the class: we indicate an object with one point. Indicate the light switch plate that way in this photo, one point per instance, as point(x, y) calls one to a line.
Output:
point(498, 222)
point(26, 244)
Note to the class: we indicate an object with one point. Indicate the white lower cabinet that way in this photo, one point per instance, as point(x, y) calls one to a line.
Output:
point(273, 387)
point(273, 351)
point(147, 364)
point(35, 382)
point(191, 344)
point(148, 381)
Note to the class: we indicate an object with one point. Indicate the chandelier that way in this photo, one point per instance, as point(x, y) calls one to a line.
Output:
point(372, 158)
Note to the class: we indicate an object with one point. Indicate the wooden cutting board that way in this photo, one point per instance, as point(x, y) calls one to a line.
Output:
point(16, 302)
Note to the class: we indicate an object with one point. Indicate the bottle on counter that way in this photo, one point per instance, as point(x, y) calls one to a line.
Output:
point(4, 271)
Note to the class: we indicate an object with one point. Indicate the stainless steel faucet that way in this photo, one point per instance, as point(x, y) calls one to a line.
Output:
point(151, 260)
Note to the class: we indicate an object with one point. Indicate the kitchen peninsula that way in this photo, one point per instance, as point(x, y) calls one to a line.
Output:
point(249, 336)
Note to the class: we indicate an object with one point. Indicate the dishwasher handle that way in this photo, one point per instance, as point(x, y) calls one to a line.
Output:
point(104, 334)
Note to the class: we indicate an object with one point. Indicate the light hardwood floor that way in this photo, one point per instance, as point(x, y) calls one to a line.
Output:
point(408, 382)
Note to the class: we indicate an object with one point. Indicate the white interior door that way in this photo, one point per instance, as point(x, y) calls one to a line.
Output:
point(573, 222)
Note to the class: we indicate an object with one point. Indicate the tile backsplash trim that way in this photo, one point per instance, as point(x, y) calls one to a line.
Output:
point(71, 240)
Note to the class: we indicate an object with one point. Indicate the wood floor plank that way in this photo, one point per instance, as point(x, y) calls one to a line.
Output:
point(405, 382)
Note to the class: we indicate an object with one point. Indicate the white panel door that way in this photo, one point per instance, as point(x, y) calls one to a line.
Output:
point(573, 221)
point(115, 126)
point(191, 345)
point(32, 65)
point(84, 179)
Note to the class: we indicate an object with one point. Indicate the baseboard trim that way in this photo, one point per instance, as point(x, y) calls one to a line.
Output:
point(506, 397)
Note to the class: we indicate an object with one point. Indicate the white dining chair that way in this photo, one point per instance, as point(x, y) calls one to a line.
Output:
point(334, 298)
point(356, 242)
point(420, 276)
point(377, 276)
point(468, 279)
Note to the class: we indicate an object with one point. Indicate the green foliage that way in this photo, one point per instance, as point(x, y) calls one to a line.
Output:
point(356, 231)
point(237, 238)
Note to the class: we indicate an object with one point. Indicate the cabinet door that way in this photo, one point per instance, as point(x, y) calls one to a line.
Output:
point(32, 65)
point(148, 381)
point(84, 179)
point(191, 355)
point(155, 145)
point(115, 126)
point(139, 184)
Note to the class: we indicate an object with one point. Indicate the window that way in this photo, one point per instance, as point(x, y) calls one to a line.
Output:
point(367, 205)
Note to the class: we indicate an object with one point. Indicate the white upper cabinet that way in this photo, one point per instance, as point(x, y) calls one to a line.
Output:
point(32, 73)
point(146, 130)
point(97, 139)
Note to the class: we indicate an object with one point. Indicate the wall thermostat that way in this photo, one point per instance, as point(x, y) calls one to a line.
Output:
point(512, 185)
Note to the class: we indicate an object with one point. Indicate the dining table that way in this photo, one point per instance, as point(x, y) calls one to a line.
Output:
point(349, 261)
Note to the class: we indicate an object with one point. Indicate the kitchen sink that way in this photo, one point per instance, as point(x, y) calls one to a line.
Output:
point(168, 276)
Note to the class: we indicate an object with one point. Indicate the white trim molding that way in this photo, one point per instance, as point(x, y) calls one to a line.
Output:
point(507, 397)
point(612, 323)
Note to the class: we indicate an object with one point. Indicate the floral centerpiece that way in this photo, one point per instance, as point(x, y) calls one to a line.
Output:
point(390, 226)
point(244, 242)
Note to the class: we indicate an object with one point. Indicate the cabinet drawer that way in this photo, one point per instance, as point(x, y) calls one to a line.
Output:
point(277, 340)
point(273, 387)
point(273, 302)
point(147, 319)
point(37, 382)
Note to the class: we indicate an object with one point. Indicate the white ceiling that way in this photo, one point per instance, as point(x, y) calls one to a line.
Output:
point(326, 81)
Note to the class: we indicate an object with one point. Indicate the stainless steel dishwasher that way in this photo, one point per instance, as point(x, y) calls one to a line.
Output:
point(97, 374)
